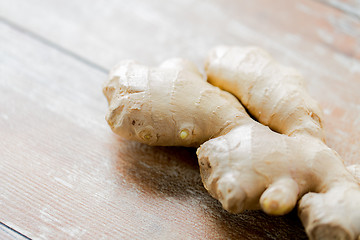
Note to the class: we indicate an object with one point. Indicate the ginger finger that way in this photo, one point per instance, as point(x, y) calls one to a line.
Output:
point(252, 166)
point(280, 197)
point(167, 106)
point(275, 96)
point(328, 216)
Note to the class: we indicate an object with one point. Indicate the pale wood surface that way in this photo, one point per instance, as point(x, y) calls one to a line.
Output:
point(320, 41)
point(64, 175)
point(351, 7)
point(10, 234)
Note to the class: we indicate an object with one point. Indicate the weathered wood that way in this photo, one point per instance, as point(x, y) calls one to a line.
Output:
point(321, 42)
point(153, 30)
point(351, 7)
point(63, 174)
point(7, 233)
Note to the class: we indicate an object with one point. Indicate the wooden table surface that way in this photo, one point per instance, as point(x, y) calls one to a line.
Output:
point(65, 175)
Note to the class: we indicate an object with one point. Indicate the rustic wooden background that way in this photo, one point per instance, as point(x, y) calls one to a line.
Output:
point(65, 175)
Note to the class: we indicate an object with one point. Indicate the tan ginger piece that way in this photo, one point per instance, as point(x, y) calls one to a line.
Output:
point(275, 96)
point(174, 106)
point(171, 105)
point(245, 165)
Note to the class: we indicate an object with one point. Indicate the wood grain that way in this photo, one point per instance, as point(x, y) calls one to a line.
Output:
point(10, 234)
point(351, 7)
point(153, 31)
point(63, 174)
point(320, 41)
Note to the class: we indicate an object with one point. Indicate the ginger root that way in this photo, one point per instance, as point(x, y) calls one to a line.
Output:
point(243, 163)
point(171, 105)
point(275, 96)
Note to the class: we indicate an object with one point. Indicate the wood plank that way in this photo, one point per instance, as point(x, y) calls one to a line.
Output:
point(63, 174)
point(152, 31)
point(351, 7)
point(10, 234)
point(321, 42)
point(54, 115)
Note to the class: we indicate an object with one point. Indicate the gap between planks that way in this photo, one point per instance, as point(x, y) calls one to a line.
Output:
point(10, 233)
point(75, 56)
point(53, 45)
point(334, 4)
point(352, 10)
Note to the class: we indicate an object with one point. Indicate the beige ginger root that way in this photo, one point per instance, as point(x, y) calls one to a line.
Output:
point(168, 106)
point(245, 165)
point(276, 96)
point(174, 106)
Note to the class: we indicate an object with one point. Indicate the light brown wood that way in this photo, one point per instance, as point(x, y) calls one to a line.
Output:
point(10, 234)
point(65, 175)
point(320, 41)
point(152, 31)
point(351, 7)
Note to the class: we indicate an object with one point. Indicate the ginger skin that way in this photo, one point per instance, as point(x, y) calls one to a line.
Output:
point(275, 96)
point(245, 165)
point(251, 166)
point(192, 111)
point(171, 105)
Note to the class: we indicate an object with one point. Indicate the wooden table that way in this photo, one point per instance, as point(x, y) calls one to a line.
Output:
point(65, 175)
